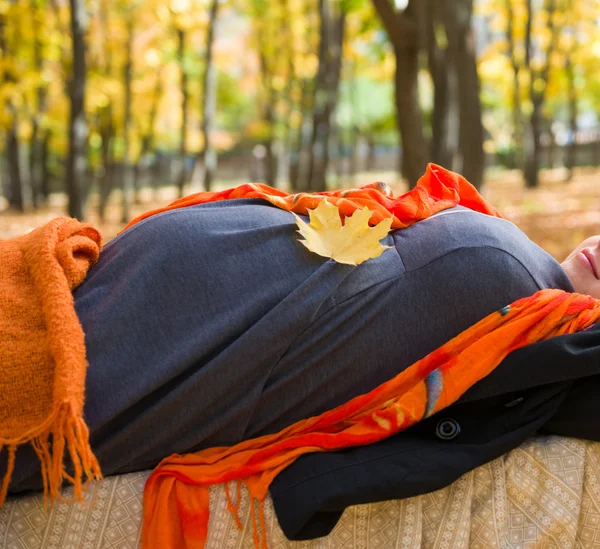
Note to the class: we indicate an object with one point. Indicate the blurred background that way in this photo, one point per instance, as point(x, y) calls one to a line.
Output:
point(112, 107)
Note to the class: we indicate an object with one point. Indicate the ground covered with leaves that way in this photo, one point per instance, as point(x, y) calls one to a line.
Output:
point(558, 215)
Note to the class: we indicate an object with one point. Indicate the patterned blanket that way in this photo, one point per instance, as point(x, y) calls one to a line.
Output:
point(544, 494)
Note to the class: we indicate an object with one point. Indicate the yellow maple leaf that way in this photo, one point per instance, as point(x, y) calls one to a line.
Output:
point(350, 243)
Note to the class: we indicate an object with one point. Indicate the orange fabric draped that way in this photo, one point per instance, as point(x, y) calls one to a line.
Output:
point(42, 351)
point(176, 500)
point(176, 497)
point(437, 190)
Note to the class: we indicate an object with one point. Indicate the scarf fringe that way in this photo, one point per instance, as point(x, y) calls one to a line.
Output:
point(234, 508)
point(258, 522)
point(64, 432)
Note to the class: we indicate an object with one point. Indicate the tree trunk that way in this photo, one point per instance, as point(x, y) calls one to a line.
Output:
point(36, 143)
point(461, 44)
point(551, 144)
point(538, 97)
point(439, 69)
point(209, 103)
point(572, 105)
point(532, 146)
point(35, 166)
point(403, 30)
point(530, 162)
point(334, 73)
point(107, 131)
point(107, 126)
point(127, 183)
point(445, 118)
point(45, 172)
point(181, 174)
point(410, 125)
point(326, 92)
point(148, 136)
point(268, 159)
point(284, 165)
point(16, 200)
point(299, 159)
point(517, 115)
point(78, 131)
point(319, 92)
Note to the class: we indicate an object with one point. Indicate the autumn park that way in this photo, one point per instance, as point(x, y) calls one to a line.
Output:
point(112, 107)
point(300, 273)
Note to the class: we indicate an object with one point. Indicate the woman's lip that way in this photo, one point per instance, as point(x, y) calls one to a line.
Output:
point(591, 260)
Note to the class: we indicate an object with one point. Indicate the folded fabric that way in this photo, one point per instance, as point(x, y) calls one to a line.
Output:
point(176, 500)
point(42, 351)
point(438, 189)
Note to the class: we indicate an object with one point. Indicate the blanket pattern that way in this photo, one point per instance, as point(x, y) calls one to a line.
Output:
point(543, 495)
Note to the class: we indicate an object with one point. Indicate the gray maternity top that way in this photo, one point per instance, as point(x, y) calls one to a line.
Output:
point(211, 324)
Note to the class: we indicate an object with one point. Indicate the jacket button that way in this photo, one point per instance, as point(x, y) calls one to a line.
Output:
point(447, 429)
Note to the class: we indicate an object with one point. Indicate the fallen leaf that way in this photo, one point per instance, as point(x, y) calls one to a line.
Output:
point(351, 243)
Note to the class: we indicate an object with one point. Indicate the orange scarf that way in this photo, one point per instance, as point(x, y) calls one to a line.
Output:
point(176, 497)
point(439, 189)
point(42, 351)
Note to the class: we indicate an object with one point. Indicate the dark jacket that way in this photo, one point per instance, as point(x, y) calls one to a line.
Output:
point(550, 387)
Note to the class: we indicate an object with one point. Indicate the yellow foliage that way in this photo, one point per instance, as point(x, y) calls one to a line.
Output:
point(306, 66)
point(152, 58)
point(180, 6)
point(257, 129)
point(287, 34)
point(95, 140)
point(6, 119)
point(295, 118)
point(96, 99)
point(539, 84)
point(163, 13)
point(25, 130)
point(489, 146)
point(351, 243)
point(494, 67)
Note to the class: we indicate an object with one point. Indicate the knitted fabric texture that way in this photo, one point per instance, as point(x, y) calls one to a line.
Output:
point(42, 351)
point(176, 497)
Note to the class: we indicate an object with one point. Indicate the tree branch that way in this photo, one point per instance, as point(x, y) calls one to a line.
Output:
point(401, 27)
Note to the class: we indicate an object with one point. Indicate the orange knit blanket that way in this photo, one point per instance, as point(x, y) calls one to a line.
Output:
point(42, 351)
